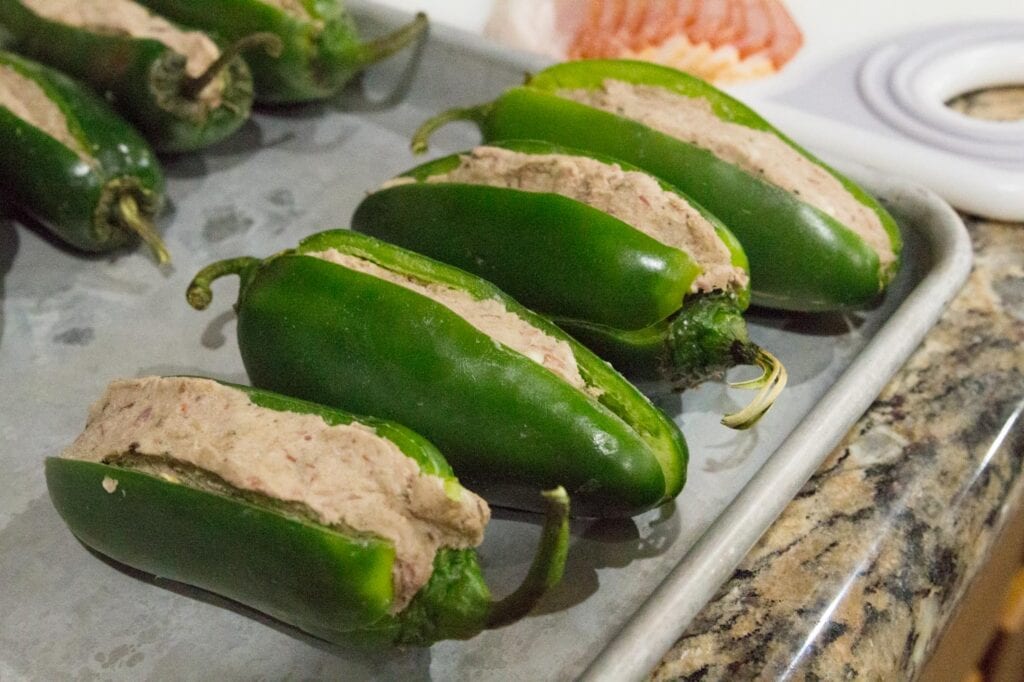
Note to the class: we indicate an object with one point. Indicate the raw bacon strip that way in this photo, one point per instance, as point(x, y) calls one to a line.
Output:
point(570, 17)
point(686, 14)
point(611, 28)
point(757, 27)
point(668, 21)
point(787, 37)
point(632, 21)
point(586, 39)
point(606, 18)
point(711, 38)
point(613, 22)
point(656, 25)
point(570, 21)
point(711, 15)
point(732, 27)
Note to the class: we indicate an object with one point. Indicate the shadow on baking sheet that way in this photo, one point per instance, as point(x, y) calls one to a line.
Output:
point(130, 625)
point(8, 249)
point(235, 149)
point(55, 591)
point(19, 220)
point(415, 661)
point(596, 544)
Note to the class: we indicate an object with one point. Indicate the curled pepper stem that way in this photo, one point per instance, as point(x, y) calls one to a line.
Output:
point(548, 564)
point(421, 138)
point(199, 294)
point(270, 42)
point(387, 45)
point(769, 385)
point(132, 219)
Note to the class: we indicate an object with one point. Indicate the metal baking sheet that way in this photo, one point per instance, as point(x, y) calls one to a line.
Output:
point(70, 323)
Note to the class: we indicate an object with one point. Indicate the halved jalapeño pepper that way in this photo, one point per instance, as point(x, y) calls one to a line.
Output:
point(72, 164)
point(625, 263)
point(512, 401)
point(321, 49)
point(177, 87)
point(350, 528)
point(815, 240)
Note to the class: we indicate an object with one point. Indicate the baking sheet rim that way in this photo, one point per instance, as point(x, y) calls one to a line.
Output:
point(664, 615)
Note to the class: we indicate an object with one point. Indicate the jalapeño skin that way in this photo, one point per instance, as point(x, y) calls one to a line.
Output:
point(620, 292)
point(320, 331)
point(321, 50)
point(800, 258)
point(331, 583)
point(98, 197)
point(144, 79)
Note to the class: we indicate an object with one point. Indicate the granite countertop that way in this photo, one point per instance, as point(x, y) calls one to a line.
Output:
point(863, 570)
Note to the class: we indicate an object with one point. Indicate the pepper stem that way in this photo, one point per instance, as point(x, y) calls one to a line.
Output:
point(421, 138)
point(709, 336)
point(133, 220)
point(387, 45)
point(770, 384)
point(270, 42)
point(547, 567)
point(199, 294)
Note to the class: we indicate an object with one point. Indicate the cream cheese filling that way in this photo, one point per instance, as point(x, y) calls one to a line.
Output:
point(24, 98)
point(490, 316)
point(124, 17)
point(757, 152)
point(346, 474)
point(634, 198)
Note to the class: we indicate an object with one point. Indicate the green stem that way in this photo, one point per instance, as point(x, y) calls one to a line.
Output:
point(421, 138)
point(199, 293)
point(133, 220)
point(270, 42)
point(387, 45)
point(548, 564)
point(770, 384)
point(707, 337)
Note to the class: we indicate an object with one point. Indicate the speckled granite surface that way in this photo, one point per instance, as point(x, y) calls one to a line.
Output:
point(993, 104)
point(861, 572)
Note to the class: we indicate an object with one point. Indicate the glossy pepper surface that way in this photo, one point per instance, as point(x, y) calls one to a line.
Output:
point(334, 584)
point(321, 49)
point(800, 257)
point(144, 79)
point(324, 332)
point(619, 291)
point(97, 197)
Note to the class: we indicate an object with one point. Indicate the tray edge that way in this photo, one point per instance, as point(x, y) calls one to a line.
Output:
point(652, 630)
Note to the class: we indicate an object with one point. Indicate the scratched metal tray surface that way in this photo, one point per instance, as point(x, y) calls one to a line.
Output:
point(71, 323)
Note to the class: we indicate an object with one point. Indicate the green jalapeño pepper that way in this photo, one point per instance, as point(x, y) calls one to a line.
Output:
point(815, 240)
point(177, 87)
point(512, 401)
point(72, 164)
point(352, 529)
point(322, 51)
point(625, 263)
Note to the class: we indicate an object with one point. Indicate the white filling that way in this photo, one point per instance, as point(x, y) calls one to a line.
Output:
point(634, 198)
point(347, 475)
point(489, 316)
point(126, 17)
point(758, 152)
point(26, 100)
